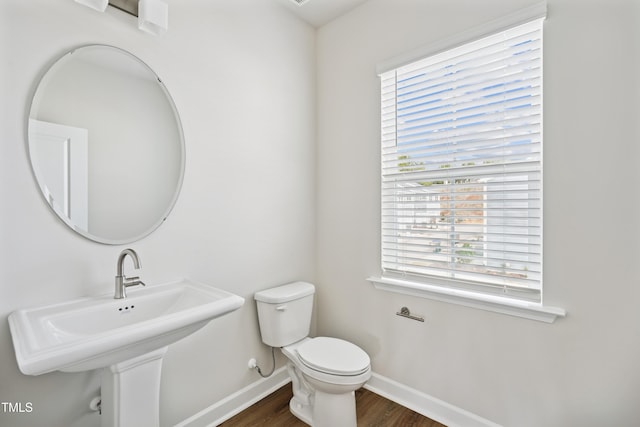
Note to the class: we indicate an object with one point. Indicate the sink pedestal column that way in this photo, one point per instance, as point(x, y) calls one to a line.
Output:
point(130, 391)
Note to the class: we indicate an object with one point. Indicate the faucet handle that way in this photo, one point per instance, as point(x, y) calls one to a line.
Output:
point(133, 281)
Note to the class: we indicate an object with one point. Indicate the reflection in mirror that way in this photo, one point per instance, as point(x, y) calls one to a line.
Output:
point(106, 144)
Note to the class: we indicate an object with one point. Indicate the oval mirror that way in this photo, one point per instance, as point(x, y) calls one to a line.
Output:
point(106, 144)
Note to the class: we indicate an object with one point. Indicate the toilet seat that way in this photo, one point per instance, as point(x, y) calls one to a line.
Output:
point(333, 356)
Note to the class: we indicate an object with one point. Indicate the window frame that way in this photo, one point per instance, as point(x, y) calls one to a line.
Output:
point(468, 293)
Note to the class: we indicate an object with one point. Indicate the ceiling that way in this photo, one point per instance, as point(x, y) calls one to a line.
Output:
point(319, 12)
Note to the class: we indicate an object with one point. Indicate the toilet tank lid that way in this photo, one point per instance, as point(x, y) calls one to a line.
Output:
point(285, 293)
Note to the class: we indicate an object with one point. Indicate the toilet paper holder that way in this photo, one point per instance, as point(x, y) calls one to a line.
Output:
point(405, 312)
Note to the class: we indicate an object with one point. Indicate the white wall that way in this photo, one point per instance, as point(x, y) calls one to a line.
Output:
point(242, 75)
point(246, 217)
point(581, 370)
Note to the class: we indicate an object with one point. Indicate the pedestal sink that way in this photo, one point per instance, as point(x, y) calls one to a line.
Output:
point(126, 338)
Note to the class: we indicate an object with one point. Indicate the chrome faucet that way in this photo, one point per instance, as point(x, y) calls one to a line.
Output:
point(122, 282)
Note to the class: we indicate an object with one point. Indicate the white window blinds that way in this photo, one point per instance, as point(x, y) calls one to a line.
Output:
point(461, 166)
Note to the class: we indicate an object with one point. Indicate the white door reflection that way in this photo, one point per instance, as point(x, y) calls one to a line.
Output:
point(61, 154)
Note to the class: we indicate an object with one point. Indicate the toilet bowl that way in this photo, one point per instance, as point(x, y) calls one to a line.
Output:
point(327, 371)
point(324, 371)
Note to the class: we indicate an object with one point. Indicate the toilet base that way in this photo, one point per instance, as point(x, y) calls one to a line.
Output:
point(302, 412)
point(331, 410)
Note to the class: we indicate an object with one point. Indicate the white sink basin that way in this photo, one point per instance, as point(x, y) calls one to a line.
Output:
point(92, 333)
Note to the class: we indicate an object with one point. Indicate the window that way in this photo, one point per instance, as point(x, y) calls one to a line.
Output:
point(462, 167)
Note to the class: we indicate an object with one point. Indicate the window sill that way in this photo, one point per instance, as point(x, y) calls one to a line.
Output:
point(496, 304)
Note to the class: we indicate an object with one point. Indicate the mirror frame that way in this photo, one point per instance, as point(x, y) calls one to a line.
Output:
point(153, 225)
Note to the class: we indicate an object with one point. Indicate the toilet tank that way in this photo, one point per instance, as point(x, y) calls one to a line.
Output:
point(284, 313)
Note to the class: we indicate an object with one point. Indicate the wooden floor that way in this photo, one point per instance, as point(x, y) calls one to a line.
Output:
point(372, 411)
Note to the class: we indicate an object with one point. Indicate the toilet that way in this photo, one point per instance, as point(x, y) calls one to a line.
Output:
point(324, 371)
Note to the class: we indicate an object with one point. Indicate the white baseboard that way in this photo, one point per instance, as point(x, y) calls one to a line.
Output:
point(415, 400)
point(422, 403)
point(238, 401)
